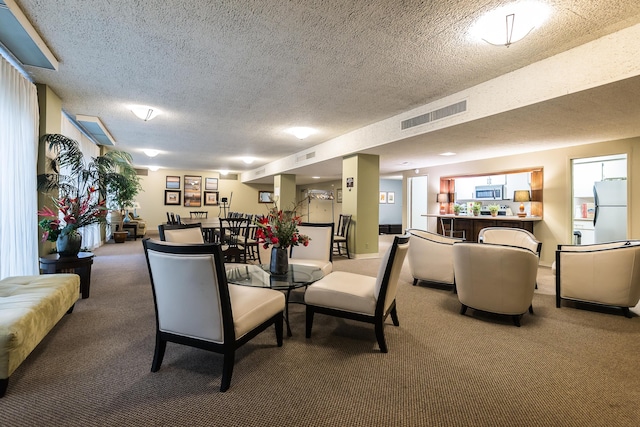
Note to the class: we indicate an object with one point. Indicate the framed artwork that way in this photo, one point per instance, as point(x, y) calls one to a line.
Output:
point(391, 197)
point(173, 182)
point(192, 187)
point(210, 198)
point(383, 197)
point(265, 197)
point(211, 184)
point(339, 195)
point(172, 197)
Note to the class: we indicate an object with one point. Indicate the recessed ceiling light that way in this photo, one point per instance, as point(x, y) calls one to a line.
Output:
point(510, 23)
point(144, 112)
point(248, 160)
point(154, 168)
point(448, 153)
point(151, 153)
point(224, 172)
point(301, 132)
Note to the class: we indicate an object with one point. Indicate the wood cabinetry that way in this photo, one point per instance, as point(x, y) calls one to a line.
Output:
point(473, 225)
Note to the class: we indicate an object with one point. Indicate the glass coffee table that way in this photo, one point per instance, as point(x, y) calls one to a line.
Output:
point(298, 276)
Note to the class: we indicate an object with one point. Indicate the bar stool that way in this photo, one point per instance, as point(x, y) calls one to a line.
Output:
point(449, 229)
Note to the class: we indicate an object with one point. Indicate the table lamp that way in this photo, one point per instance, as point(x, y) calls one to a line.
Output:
point(521, 196)
point(136, 206)
point(443, 198)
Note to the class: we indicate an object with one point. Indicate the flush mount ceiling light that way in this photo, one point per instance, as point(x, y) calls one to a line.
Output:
point(224, 172)
point(448, 153)
point(301, 132)
point(151, 153)
point(154, 168)
point(144, 112)
point(508, 24)
point(248, 160)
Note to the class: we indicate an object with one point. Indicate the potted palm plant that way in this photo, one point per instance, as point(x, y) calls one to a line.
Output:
point(79, 190)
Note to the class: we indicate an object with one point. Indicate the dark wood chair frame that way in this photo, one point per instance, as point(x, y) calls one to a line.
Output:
point(344, 224)
point(228, 348)
point(380, 315)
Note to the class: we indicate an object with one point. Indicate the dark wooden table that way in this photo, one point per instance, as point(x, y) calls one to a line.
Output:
point(80, 265)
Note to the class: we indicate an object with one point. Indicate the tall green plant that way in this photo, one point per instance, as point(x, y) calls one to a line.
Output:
point(81, 187)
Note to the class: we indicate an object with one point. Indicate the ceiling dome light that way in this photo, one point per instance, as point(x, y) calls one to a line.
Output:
point(144, 112)
point(154, 168)
point(224, 172)
point(151, 153)
point(508, 24)
point(301, 132)
point(248, 160)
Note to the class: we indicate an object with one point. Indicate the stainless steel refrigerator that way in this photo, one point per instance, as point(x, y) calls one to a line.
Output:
point(610, 218)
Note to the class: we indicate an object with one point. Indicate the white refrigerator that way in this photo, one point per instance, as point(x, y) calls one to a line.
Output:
point(610, 218)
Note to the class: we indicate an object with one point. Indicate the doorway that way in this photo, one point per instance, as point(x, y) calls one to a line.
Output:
point(418, 202)
point(599, 190)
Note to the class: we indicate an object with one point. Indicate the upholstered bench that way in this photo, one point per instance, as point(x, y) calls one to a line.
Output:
point(30, 306)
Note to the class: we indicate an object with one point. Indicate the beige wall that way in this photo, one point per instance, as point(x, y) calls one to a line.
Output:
point(153, 209)
point(557, 225)
point(320, 210)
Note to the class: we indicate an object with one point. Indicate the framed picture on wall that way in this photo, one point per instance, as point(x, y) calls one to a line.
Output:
point(173, 182)
point(172, 197)
point(391, 197)
point(211, 184)
point(339, 195)
point(265, 197)
point(210, 198)
point(192, 187)
point(383, 197)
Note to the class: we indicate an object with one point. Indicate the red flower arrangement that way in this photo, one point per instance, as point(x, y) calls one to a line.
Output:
point(76, 213)
point(280, 229)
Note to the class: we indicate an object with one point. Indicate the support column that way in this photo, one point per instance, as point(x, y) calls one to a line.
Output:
point(50, 107)
point(284, 189)
point(361, 188)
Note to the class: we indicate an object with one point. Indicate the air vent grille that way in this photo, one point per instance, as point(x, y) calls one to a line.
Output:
point(230, 176)
point(304, 157)
point(431, 116)
point(142, 172)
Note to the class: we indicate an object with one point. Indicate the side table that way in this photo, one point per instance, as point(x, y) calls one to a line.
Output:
point(80, 265)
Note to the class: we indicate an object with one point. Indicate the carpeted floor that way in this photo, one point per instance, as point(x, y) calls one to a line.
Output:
point(563, 367)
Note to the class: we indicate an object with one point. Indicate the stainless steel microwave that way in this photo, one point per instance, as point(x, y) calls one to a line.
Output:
point(489, 192)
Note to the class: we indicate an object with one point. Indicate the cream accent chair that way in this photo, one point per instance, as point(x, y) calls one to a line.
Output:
point(358, 297)
point(511, 237)
point(141, 224)
point(431, 257)
point(495, 278)
point(605, 274)
point(181, 233)
point(319, 252)
point(195, 306)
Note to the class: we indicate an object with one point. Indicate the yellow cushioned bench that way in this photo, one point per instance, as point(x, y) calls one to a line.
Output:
point(30, 306)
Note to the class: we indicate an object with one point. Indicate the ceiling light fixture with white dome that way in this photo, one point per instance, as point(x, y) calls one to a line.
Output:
point(151, 153)
point(510, 23)
point(144, 112)
point(301, 132)
point(248, 160)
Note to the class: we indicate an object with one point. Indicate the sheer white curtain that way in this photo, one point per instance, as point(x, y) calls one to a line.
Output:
point(90, 234)
point(18, 169)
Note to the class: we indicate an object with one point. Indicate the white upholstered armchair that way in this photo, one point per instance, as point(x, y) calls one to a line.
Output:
point(431, 257)
point(319, 252)
point(604, 274)
point(510, 236)
point(495, 278)
point(358, 297)
point(196, 307)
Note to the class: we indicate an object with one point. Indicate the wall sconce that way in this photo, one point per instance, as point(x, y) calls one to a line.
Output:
point(521, 196)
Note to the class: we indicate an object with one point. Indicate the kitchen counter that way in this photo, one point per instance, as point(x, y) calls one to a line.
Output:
point(472, 225)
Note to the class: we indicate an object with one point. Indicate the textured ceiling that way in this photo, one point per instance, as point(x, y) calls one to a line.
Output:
point(231, 75)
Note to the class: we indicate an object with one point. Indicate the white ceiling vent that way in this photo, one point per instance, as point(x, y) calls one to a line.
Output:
point(304, 157)
point(432, 116)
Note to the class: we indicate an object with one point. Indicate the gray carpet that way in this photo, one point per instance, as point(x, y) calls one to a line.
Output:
point(563, 367)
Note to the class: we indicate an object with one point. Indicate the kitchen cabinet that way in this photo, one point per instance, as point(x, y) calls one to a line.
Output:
point(473, 224)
